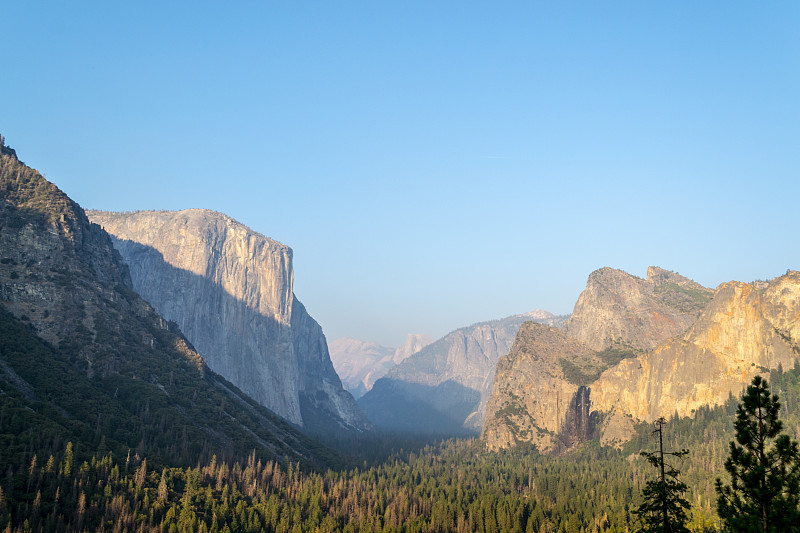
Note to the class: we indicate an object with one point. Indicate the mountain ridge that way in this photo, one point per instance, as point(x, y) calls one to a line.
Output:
point(449, 380)
point(649, 367)
point(229, 289)
point(85, 358)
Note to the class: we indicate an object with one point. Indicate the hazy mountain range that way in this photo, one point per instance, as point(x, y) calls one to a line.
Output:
point(361, 363)
point(443, 388)
point(181, 335)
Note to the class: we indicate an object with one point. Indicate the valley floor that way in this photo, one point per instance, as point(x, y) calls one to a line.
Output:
point(453, 485)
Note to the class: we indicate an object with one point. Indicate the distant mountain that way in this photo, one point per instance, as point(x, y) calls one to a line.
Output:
point(443, 388)
point(638, 349)
point(357, 363)
point(83, 358)
point(361, 363)
point(229, 289)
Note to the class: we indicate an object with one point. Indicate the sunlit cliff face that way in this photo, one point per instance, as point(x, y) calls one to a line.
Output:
point(744, 330)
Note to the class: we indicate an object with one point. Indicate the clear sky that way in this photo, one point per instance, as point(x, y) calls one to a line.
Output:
point(432, 164)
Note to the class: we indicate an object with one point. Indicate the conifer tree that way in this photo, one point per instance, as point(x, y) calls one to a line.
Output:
point(141, 474)
point(162, 486)
point(66, 466)
point(764, 467)
point(664, 509)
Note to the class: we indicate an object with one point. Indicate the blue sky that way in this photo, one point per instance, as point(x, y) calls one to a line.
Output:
point(432, 164)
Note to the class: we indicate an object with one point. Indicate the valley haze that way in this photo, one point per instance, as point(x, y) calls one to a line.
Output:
point(521, 231)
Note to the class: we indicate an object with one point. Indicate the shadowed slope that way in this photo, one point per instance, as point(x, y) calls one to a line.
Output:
point(85, 358)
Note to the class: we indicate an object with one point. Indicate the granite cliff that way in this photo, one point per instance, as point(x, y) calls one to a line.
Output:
point(229, 289)
point(645, 348)
point(617, 317)
point(533, 392)
point(744, 331)
point(444, 387)
point(360, 363)
point(618, 310)
point(86, 359)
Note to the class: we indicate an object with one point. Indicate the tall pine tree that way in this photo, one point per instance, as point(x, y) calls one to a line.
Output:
point(764, 467)
point(664, 508)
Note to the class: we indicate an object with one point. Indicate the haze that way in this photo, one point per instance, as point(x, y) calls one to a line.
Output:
point(431, 165)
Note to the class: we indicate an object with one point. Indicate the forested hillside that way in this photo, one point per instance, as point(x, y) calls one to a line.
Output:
point(455, 485)
point(84, 359)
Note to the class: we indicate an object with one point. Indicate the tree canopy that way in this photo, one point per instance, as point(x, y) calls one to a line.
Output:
point(664, 509)
point(764, 469)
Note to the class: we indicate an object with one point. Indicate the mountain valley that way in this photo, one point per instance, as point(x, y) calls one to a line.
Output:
point(443, 389)
point(85, 359)
point(160, 412)
point(360, 364)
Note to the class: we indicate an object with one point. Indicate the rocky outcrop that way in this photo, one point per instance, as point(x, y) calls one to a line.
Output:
point(57, 266)
point(743, 332)
point(676, 349)
point(618, 316)
point(448, 382)
point(414, 343)
point(618, 310)
point(230, 291)
point(359, 363)
point(537, 397)
point(112, 371)
point(781, 306)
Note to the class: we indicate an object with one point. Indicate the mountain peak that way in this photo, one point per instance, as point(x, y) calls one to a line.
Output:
point(6, 150)
point(538, 314)
point(619, 309)
point(414, 343)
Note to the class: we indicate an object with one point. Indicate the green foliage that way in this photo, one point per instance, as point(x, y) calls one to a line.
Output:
point(584, 372)
point(448, 487)
point(684, 298)
point(417, 487)
point(451, 486)
point(664, 509)
point(764, 468)
point(579, 375)
point(614, 354)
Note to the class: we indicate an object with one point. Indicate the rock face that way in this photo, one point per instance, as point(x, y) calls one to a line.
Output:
point(444, 388)
point(230, 291)
point(620, 310)
point(359, 363)
point(544, 389)
point(111, 370)
point(679, 347)
point(414, 343)
point(743, 332)
point(48, 247)
point(533, 399)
